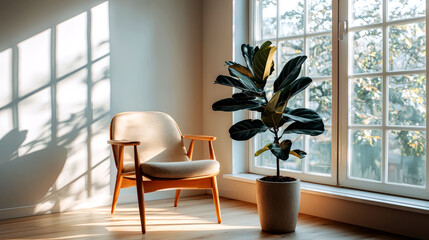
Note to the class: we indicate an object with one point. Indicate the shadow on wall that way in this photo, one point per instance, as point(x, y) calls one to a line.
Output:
point(18, 190)
point(54, 116)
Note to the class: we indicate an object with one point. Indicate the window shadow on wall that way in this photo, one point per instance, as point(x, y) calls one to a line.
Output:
point(54, 115)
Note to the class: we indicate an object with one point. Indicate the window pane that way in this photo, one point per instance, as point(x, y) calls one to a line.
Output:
point(321, 99)
point(291, 17)
point(365, 156)
point(269, 18)
point(289, 49)
point(407, 100)
point(319, 156)
point(320, 56)
point(367, 51)
point(400, 9)
point(366, 101)
point(407, 47)
point(320, 15)
point(366, 12)
point(407, 154)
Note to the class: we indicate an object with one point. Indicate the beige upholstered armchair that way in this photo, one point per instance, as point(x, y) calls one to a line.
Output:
point(149, 153)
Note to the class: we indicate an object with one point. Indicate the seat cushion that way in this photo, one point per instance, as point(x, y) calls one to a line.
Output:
point(186, 169)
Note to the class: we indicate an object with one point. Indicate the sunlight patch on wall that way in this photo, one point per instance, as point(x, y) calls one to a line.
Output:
point(100, 30)
point(5, 77)
point(34, 62)
point(101, 104)
point(71, 44)
point(72, 131)
point(6, 120)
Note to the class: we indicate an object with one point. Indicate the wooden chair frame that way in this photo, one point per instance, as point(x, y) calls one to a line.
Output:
point(146, 184)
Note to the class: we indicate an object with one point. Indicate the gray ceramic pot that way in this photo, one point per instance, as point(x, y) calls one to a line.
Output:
point(278, 205)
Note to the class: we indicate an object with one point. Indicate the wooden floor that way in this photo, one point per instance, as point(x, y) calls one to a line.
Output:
point(194, 218)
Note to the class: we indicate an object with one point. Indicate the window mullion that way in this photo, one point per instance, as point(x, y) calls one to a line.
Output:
point(427, 106)
point(385, 103)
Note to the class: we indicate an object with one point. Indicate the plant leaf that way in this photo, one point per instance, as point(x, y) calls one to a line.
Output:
point(262, 64)
point(229, 63)
point(237, 83)
point(291, 90)
point(242, 69)
point(260, 151)
point(299, 85)
point(302, 115)
point(246, 80)
point(298, 153)
point(248, 96)
point(246, 129)
point(248, 55)
point(313, 128)
point(230, 105)
point(281, 150)
point(266, 44)
point(289, 72)
point(270, 116)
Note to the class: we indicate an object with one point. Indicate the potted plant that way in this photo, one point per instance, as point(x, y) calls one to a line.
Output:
point(277, 196)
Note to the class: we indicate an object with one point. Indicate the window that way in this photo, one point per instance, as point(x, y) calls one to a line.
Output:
point(370, 88)
point(297, 28)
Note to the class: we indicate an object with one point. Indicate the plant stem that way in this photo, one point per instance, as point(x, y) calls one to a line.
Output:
point(276, 140)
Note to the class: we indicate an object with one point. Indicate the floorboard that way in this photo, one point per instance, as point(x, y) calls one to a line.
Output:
point(194, 218)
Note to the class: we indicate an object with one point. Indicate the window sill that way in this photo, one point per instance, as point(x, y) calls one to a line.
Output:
point(377, 199)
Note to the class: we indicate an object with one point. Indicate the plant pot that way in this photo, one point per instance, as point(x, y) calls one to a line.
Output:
point(278, 205)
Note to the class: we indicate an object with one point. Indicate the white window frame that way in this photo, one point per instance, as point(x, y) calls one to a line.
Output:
point(340, 106)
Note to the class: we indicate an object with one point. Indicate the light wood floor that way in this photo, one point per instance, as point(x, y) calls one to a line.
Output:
point(194, 218)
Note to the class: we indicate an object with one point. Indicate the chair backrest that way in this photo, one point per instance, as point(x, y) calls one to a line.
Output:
point(160, 137)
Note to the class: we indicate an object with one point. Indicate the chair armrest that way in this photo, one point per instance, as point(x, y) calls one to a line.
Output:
point(199, 137)
point(123, 142)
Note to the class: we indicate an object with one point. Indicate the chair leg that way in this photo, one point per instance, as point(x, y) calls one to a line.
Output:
point(140, 197)
point(116, 192)
point(176, 199)
point(216, 199)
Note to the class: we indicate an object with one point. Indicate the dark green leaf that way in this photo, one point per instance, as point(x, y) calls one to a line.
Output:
point(298, 153)
point(299, 84)
point(289, 72)
point(246, 129)
point(230, 105)
point(281, 150)
point(248, 54)
point(246, 80)
point(302, 115)
point(237, 83)
point(313, 128)
point(293, 89)
point(248, 96)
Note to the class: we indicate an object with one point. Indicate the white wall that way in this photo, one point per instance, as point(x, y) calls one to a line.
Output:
point(59, 92)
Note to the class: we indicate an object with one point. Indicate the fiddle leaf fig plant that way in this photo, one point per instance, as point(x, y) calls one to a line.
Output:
point(275, 115)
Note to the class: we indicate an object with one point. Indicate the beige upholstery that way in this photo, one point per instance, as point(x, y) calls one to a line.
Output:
point(180, 169)
point(162, 153)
